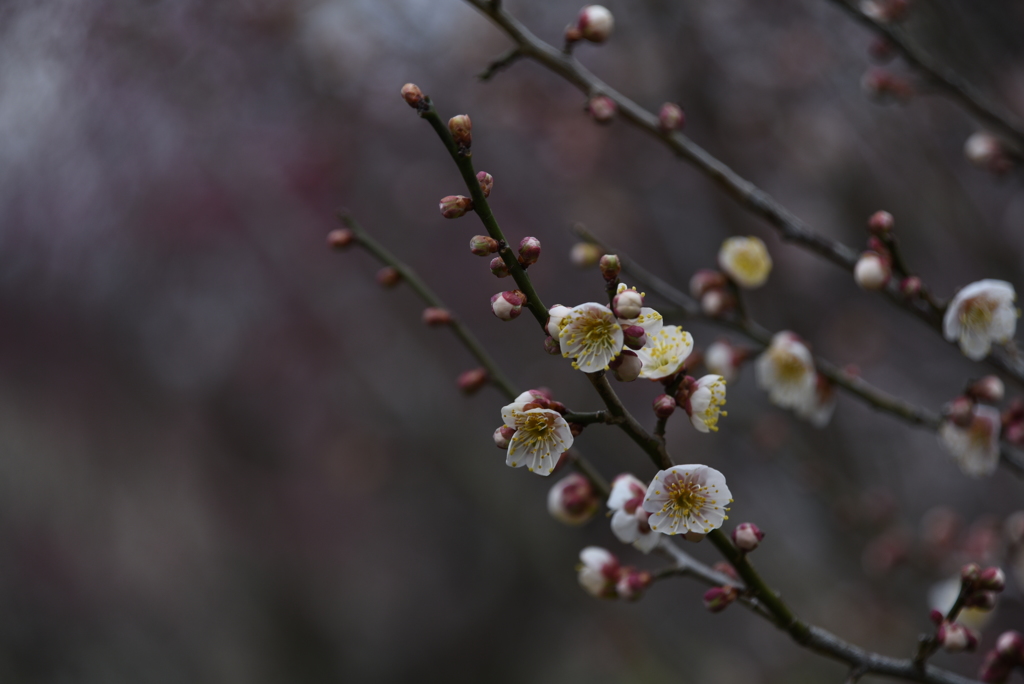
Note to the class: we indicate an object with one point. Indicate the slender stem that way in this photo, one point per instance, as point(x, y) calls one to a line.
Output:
point(929, 645)
point(654, 447)
point(592, 417)
point(503, 62)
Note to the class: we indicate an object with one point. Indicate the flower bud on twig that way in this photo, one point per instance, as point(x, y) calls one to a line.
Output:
point(508, 304)
point(989, 389)
point(626, 366)
point(551, 346)
point(433, 316)
point(988, 152)
point(671, 117)
point(995, 669)
point(461, 129)
point(1010, 645)
point(471, 381)
point(572, 500)
point(954, 637)
point(486, 182)
point(602, 108)
point(881, 223)
point(911, 286)
point(502, 436)
point(483, 245)
point(664, 406)
point(627, 304)
point(632, 582)
point(595, 23)
point(455, 206)
point(388, 277)
point(412, 94)
point(634, 336)
point(747, 536)
point(872, 272)
point(529, 251)
point(610, 266)
point(718, 599)
point(707, 279)
point(499, 268)
point(340, 238)
point(598, 572)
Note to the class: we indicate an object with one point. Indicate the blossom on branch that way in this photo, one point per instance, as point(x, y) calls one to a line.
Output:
point(541, 435)
point(598, 572)
point(786, 371)
point(746, 260)
point(572, 500)
point(591, 335)
point(980, 314)
point(629, 519)
point(974, 445)
point(687, 498)
point(705, 403)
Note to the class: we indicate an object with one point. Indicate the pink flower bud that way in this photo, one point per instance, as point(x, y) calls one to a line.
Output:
point(602, 108)
point(598, 572)
point(340, 238)
point(664, 406)
point(551, 346)
point(626, 366)
point(989, 389)
point(987, 152)
point(992, 579)
point(433, 315)
point(671, 117)
point(969, 574)
point(716, 303)
point(1010, 645)
point(871, 272)
point(960, 411)
point(502, 436)
point(995, 668)
point(707, 279)
point(632, 582)
point(572, 500)
point(585, 254)
point(499, 268)
point(954, 637)
point(718, 599)
point(486, 181)
point(936, 617)
point(911, 286)
point(471, 381)
point(412, 94)
point(483, 245)
point(881, 222)
point(981, 600)
point(610, 266)
point(529, 251)
point(627, 304)
point(747, 536)
point(455, 206)
point(461, 129)
point(634, 336)
point(388, 277)
point(595, 23)
point(508, 304)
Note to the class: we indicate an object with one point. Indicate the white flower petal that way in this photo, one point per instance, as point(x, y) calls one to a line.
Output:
point(625, 527)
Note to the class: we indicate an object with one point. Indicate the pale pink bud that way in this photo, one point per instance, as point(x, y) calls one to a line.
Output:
point(1010, 645)
point(718, 599)
point(585, 254)
point(992, 579)
point(499, 268)
point(461, 129)
point(455, 206)
point(551, 346)
point(954, 637)
point(871, 272)
point(572, 500)
point(987, 152)
point(486, 181)
point(634, 336)
point(340, 238)
point(911, 286)
point(502, 436)
point(610, 266)
point(981, 600)
point(388, 277)
point(602, 108)
point(598, 572)
point(529, 251)
point(995, 669)
point(717, 303)
point(433, 315)
point(881, 222)
point(626, 366)
point(508, 304)
point(483, 245)
point(960, 411)
point(471, 381)
point(627, 304)
point(671, 117)
point(632, 582)
point(595, 23)
point(747, 536)
point(705, 280)
point(989, 389)
point(664, 406)
point(969, 574)
point(412, 94)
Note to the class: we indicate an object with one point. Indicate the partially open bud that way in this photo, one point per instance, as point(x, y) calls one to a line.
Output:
point(872, 272)
point(634, 336)
point(995, 669)
point(555, 316)
point(551, 346)
point(671, 117)
point(585, 254)
point(954, 637)
point(471, 381)
point(707, 279)
point(627, 304)
point(572, 500)
point(911, 286)
point(595, 23)
point(960, 411)
point(602, 108)
point(987, 152)
point(508, 304)
point(881, 223)
point(388, 277)
point(1010, 645)
point(461, 129)
point(483, 245)
point(747, 536)
point(610, 266)
point(991, 579)
point(499, 268)
point(664, 406)
point(486, 182)
point(502, 436)
point(718, 599)
point(632, 582)
point(981, 600)
point(412, 94)
point(988, 390)
point(455, 206)
point(433, 315)
point(340, 238)
point(598, 572)
point(529, 251)
point(716, 303)
point(626, 366)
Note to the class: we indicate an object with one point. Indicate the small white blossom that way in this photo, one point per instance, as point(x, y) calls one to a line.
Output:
point(976, 446)
point(722, 359)
point(871, 272)
point(980, 314)
point(687, 498)
point(598, 572)
point(706, 402)
point(541, 435)
point(591, 335)
point(629, 520)
point(572, 500)
point(786, 371)
point(665, 351)
point(746, 260)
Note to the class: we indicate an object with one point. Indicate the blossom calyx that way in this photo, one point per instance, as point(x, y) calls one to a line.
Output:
point(529, 251)
point(626, 366)
point(486, 181)
point(627, 304)
point(412, 95)
point(595, 23)
point(388, 276)
point(664, 406)
point(572, 500)
point(872, 271)
point(747, 536)
point(483, 245)
point(671, 117)
point(718, 599)
point(508, 304)
point(455, 206)
point(610, 266)
point(340, 238)
point(602, 108)
point(461, 129)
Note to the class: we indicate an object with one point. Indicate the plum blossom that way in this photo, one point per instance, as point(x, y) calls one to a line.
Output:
point(591, 335)
point(975, 446)
point(706, 401)
point(598, 572)
point(541, 435)
point(629, 520)
point(786, 371)
point(980, 314)
point(687, 498)
point(722, 358)
point(746, 260)
point(572, 500)
point(666, 350)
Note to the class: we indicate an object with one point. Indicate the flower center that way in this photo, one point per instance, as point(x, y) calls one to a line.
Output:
point(749, 262)
point(685, 498)
point(790, 367)
point(595, 334)
point(977, 312)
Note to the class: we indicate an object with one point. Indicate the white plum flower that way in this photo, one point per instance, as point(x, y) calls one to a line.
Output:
point(786, 371)
point(629, 520)
point(746, 261)
point(598, 572)
point(541, 435)
point(980, 314)
point(591, 335)
point(665, 351)
point(722, 358)
point(705, 403)
point(976, 445)
point(687, 498)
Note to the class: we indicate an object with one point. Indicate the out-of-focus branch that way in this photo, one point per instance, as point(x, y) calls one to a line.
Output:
point(944, 80)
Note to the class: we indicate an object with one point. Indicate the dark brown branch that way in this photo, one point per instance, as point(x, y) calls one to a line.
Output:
point(652, 446)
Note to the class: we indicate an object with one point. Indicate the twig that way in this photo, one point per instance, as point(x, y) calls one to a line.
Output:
point(591, 418)
point(652, 446)
point(502, 62)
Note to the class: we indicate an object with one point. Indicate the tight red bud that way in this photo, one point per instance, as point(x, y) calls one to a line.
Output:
point(483, 245)
point(499, 268)
point(502, 436)
point(471, 381)
point(455, 206)
point(340, 238)
point(412, 94)
point(433, 315)
point(388, 277)
point(664, 406)
point(486, 182)
point(911, 286)
point(671, 117)
point(529, 251)
point(461, 129)
point(602, 108)
point(718, 599)
point(881, 222)
point(634, 336)
point(610, 266)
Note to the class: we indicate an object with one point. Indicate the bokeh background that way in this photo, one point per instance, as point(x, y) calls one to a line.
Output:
point(226, 455)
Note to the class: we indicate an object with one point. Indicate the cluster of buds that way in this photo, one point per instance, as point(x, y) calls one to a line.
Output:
point(885, 11)
point(508, 304)
point(1000, 661)
point(979, 587)
point(874, 267)
point(989, 153)
point(572, 500)
point(594, 24)
point(711, 289)
point(601, 575)
point(879, 84)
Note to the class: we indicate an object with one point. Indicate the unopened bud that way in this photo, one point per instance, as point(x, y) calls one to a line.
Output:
point(412, 94)
point(981, 600)
point(664, 406)
point(551, 346)
point(572, 34)
point(595, 23)
point(989, 389)
point(529, 251)
point(872, 272)
point(995, 669)
point(992, 579)
point(502, 436)
point(747, 536)
point(585, 254)
point(461, 129)
point(499, 268)
point(471, 381)
point(726, 568)
point(987, 152)
point(960, 411)
point(508, 304)
point(602, 108)
point(388, 277)
point(718, 599)
point(954, 637)
point(707, 279)
point(716, 303)
point(632, 582)
point(483, 245)
point(671, 117)
point(911, 286)
point(627, 304)
point(969, 574)
point(610, 266)
point(1010, 645)
point(884, 11)
point(881, 222)
point(486, 181)
point(598, 572)
point(433, 315)
point(572, 500)
point(634, 336)
point(936, 617)
point(455, 206)
point(340, 238)
point(626, 366)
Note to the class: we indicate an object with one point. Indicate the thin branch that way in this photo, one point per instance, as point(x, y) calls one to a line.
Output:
point(652, 446)
point(592, 417)
point(502, 62)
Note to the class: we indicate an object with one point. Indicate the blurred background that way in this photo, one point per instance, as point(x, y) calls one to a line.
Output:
point(226, 455)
